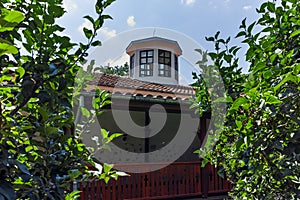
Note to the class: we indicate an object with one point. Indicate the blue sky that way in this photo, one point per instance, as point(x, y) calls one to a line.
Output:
point(194, 19)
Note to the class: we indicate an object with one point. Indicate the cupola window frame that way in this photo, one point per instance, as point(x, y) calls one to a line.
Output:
point(176, 66)
point(164, 63)
point(132, 60)
point(146, 63)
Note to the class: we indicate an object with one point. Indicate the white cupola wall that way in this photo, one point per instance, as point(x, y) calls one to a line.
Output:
point(155, 60)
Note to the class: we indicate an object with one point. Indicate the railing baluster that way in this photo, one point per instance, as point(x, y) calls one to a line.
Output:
point(175, 180)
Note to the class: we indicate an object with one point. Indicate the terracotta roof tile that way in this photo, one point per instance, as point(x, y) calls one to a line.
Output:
point(129, 86)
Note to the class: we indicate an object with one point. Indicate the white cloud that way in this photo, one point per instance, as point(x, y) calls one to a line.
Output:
point(212, 4)
point(188, 2)
point(107, 33)
point(121, 60)
point(87, 24)
point(130, 21)
point(248, 7)
point(63, 34)
point(69, 5)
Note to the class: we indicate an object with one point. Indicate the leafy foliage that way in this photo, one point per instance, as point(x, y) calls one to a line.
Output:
point(117, 70)
point(9, 19)
point(259, 146)
point(40, 149)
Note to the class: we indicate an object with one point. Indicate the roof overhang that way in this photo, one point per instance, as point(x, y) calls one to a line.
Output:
point(154, 42)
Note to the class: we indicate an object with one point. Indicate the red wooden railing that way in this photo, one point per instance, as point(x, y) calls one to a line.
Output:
point(184, 179)
point(217, 184)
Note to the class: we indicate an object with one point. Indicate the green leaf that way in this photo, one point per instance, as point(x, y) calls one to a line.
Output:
point(80, 147)
point(10, 143)
point(56, 10)
point(21, 71)
point(98, 23)
point(295, 33)
point(228, 58)
point(227, 40)
point(89, 18)
point(238, 102)
point(267, 74)
point(209, 39)
point(9, 19)
point(88, 33)
point(107, 167)
point(241, 33)
point(107, 3)
point(273, 100)
point(197, 151)
point(204, 162)
point(213, 55)
point(238, 124)
point(221, 41)
point(96, 43)
point(268, 29)
point(114, 135)
point(29, 148)
point(296, 69)
point(243, 25)
point(262, 7)
point(7, 48)
point(251, 27)
point(49, 19)
point(43, 113)
point(227, 99)
point(85, 112)
point(288, 77)
point(241, 163)
point(104, 133)
point(199, 51)
point(73, 195)
point(106, 17)
point(217, 35)
point(106, 179)
point(271, 7)
point(259, 67)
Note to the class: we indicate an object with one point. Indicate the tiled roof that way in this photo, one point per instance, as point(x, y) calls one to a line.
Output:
point(132, 87)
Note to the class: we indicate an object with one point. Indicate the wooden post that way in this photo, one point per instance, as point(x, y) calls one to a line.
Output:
point(204, 178)
point(147, 134)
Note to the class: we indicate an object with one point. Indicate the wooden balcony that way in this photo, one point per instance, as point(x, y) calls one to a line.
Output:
point(178, 180)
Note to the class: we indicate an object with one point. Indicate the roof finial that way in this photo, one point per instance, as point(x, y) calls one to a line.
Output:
point(154, 31)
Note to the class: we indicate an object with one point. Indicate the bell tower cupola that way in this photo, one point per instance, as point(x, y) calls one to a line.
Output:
point(154, 59)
